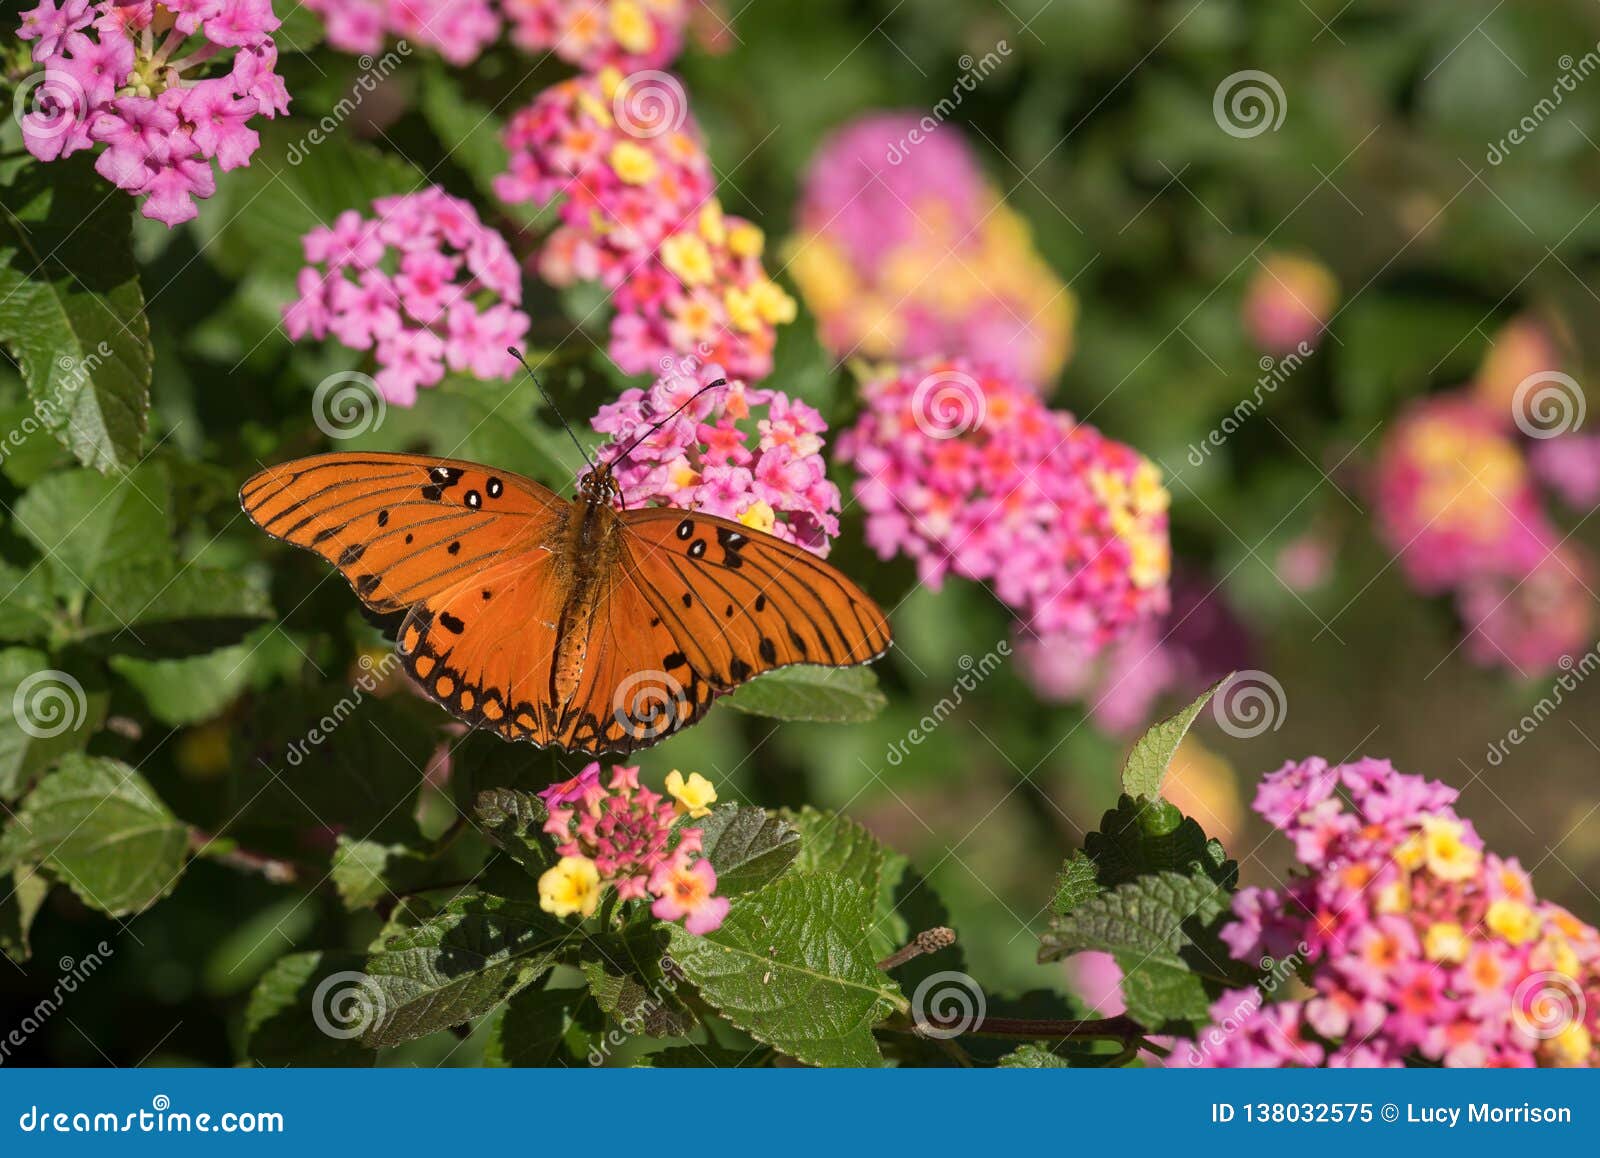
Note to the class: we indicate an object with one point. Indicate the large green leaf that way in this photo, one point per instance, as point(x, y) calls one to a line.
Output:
point(71, 309)
point(833, 843)
point(44, 713)
point(791, 965)
point(747, 846)
point(459, 965)
point(514, 819)
point(540, 1027)
point(162, 610)
point(309, 1009)
point(84, 523)
point(27, 608)
point(833, 695)
point(101, 830)
point(634, 980)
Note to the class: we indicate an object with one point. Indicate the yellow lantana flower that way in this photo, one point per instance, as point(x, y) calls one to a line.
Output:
point(1513, 921)
point(631, 27)
point(1445, 941)
point(633, 163)
point(760, 517)
point(694, 796)
point(571, 886)
point(687, 257)
point(1448, 856)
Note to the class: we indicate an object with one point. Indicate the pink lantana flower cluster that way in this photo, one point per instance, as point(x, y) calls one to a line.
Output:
point(1290, 299)
point(1419, 946)
point(458, 30)
point(166, 89)
point(1458, 503)
point(965, 471)
point(750, 455)
point(904, 251)
point(621, 835)
point(591, 34)
point(639, 215)
point(423, 284)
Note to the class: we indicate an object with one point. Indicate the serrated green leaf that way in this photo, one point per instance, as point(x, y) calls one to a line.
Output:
point(25, 895)
point(1162, 930)
point(367, 871)
point(514, 819)
point(459, 965)
point(538, 1028)
point(308, 1010)
point(792, 966)
point(102, 831)
point(747, 846)
point(1138, 837)
point(1147, 764)
point(1033, 1057)
point(84, 523)
point(72, 311)
point(635, 981)
point(832, 695)
point(833, 843)
point(44, 713)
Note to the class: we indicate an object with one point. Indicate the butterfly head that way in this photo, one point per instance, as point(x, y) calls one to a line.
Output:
point(599, 486)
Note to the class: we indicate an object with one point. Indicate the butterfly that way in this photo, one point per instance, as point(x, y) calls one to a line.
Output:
point(563, 622)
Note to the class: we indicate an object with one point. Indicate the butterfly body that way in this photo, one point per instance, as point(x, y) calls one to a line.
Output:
point(563, 622)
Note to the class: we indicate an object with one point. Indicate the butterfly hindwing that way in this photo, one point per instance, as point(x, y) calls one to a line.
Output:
point(399, 527)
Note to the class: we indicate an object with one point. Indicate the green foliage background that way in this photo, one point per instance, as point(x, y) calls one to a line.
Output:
point(1099, 130)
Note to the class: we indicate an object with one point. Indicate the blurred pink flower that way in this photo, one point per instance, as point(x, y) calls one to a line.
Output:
point(1569, 464)
point(1288, 301)
point(1520, 349)
point(423, 283)
point(458, 30)
point(966, 471)
point(163, 117)
point(629, 34)
point(1533, 623)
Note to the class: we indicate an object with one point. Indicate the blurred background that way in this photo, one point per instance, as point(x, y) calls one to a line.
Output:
point(1364, 217)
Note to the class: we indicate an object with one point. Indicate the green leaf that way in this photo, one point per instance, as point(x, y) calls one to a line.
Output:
point(704, 1057)
point(1136, 838)
point(180, 692)
point(514, 820)
point(469, 130)
point(309, 1010)
point(84, 523)
point(101, 829)
point(72, 312)
point(1147, 763)
point(538, 1028)
point(366, 871)
point(161, 610)
point(635, 981)
point(791, 966)
point(747, 846)
point(1033, 1057)
point(44, 713)
point(27, 608)
point(833, 695)
point(1161, 928)
point(832, 843)
point(26, 895)
point(459, 965)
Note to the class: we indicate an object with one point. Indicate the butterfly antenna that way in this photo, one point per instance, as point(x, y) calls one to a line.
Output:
point(681, 408)
point(550, 402)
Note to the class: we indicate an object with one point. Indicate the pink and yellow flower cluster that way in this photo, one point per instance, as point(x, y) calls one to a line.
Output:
point(625, 34)
point(620, 835)
point(167, 89)
point(750, 455)
point(458, 30)
point(906, 253)
point(965, 471)
point(1418, 945)
point(639, 214)
point(424, 284)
